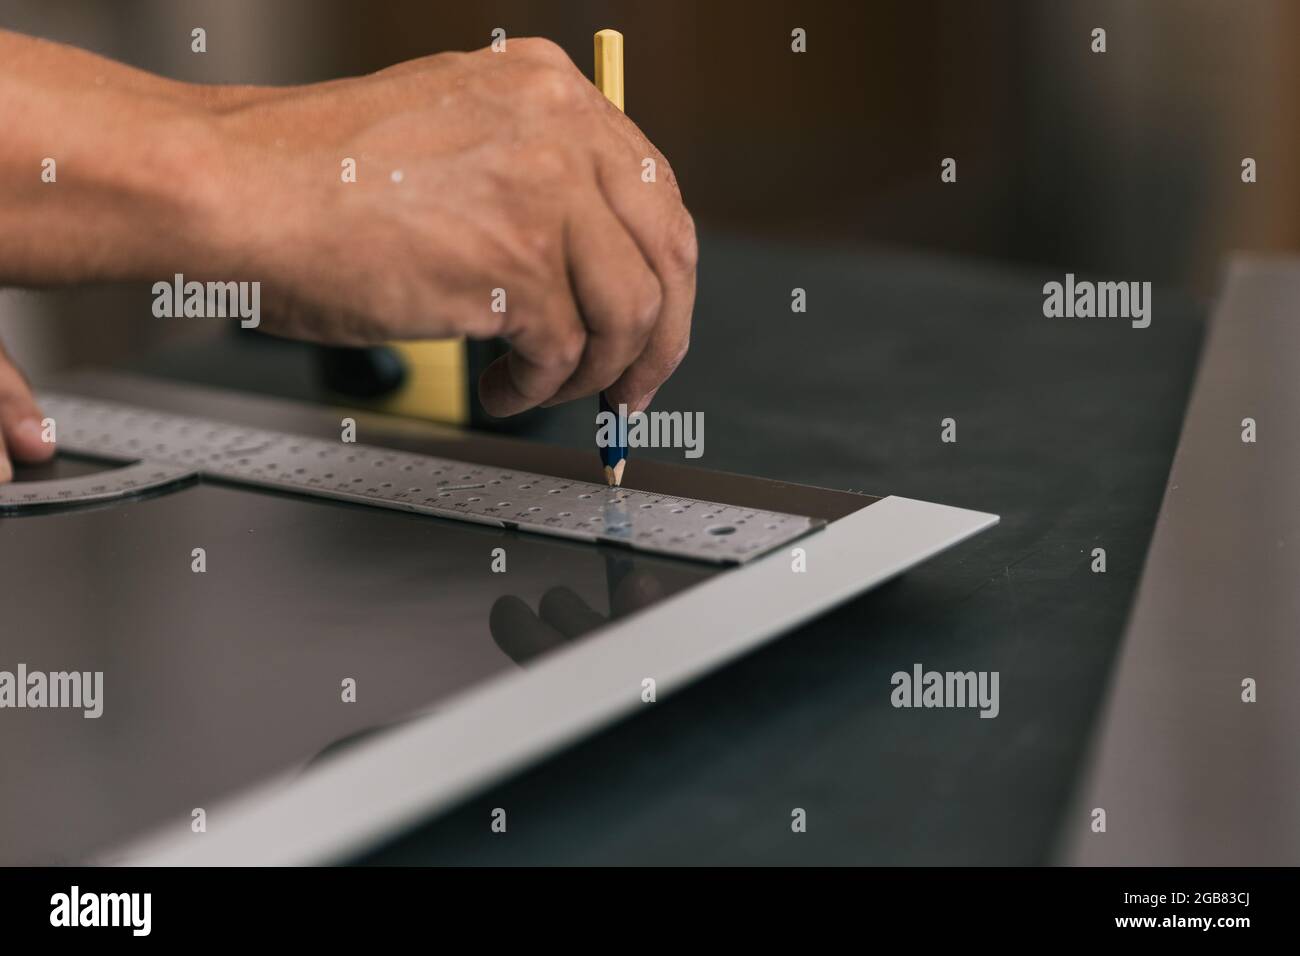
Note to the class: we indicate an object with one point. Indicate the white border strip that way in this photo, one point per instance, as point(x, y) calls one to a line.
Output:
point(403, 776)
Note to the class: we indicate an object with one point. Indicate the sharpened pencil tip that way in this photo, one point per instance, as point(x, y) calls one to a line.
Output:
point(615, 475)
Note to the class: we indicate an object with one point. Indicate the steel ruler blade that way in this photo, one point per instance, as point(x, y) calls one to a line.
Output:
point(167, 448)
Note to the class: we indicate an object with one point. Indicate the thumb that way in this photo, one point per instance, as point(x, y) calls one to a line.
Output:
point(20, 420)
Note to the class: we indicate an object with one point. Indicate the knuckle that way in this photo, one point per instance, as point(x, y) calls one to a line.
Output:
point(556, 89)
point(542, 49)
point(548, 162)
point(672, 359)
point(683, 248)
point(644, 308)
point(566, 351)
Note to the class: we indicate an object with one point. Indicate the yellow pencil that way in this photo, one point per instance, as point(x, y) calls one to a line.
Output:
point(609, 80)
point(609, 65)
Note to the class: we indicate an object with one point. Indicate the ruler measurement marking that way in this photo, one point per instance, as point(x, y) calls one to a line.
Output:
point(166, 448)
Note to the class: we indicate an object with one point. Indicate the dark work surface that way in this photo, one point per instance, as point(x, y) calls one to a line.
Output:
point(1065, 427)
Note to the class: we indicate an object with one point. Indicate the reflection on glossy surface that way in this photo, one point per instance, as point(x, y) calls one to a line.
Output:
point(563, 616)
point(216, 680)
point(62, 466)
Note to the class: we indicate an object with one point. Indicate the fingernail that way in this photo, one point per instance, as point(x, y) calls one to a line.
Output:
point(6, 472)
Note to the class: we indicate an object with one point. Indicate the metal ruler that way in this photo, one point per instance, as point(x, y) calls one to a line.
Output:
point(169, 449)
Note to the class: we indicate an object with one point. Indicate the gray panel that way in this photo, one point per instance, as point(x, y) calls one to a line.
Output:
point(1187, 772)
point(215, 681)
point(393, 779)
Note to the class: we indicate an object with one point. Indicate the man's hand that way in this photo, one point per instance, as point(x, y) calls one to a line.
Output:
point(475, 172)
point(20, 420)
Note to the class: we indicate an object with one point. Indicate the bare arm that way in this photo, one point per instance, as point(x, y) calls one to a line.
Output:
point(475, 172)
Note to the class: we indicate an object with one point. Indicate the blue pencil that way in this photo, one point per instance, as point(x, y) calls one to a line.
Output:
point(614, 455)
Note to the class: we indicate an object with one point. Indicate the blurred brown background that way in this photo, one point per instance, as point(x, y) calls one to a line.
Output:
point(1125, 164)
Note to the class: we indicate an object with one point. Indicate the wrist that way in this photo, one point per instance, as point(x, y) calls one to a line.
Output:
point(202, 191)
point(177, 221)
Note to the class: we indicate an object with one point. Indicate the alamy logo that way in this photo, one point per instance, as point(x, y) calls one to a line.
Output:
point(57, 689)
point(208, 300)
point(946, 689)
point(651, 430)
point(74, 908)
point(1102, 300)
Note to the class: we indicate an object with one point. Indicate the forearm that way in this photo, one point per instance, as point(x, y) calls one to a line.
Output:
point(101, 168)
point(404, 204)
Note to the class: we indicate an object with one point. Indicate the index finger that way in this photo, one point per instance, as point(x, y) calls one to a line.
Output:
point(665, 232)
